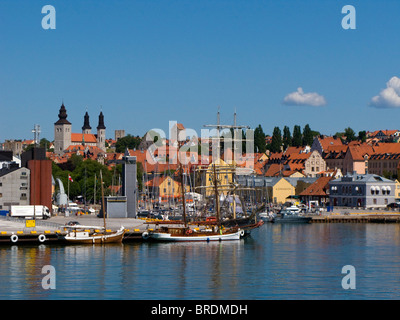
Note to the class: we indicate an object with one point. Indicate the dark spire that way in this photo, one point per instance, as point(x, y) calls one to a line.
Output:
point(101, 121)
point(62, 116)
point(86, 124)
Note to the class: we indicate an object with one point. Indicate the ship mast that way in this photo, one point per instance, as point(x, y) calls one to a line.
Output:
point(235, 128)
point(183, 197)
point(216, 196)
point(102, 199)
point(233, 139)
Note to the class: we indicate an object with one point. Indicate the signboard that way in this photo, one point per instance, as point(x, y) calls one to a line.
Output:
point(30, 224)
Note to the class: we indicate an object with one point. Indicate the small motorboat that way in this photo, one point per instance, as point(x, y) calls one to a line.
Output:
point(287, 216)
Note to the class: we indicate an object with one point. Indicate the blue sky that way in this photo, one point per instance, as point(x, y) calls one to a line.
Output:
point(150, 61)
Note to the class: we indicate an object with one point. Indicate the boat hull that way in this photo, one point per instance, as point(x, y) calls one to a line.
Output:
point(85, 238)
point(292, 220)
point(161, 236)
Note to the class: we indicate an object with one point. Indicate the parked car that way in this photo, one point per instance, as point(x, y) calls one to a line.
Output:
point(73, 223)
point(393, 205)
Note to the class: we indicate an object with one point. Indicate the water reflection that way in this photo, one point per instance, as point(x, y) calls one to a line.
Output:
point(277, 262)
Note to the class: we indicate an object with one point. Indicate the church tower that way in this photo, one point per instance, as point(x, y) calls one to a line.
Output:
point(62, 132)
point(101, 133)
point(86, 129)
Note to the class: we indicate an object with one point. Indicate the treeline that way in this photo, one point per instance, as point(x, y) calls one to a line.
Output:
point(280, 138)
point(299, 138)
point(86, 178)
point(283, 140)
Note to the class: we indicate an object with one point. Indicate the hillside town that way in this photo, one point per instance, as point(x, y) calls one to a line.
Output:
point(344, 170)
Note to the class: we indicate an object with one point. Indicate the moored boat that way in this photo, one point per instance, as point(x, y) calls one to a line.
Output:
point(187, 234)
point(84, 235)
point(78, 234)
point(286, 216)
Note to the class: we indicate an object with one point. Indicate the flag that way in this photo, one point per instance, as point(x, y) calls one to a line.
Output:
point(70, 178)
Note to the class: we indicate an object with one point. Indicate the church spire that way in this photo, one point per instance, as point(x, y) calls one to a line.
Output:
point(101, 121)
point(86, 124)
point(62, 115)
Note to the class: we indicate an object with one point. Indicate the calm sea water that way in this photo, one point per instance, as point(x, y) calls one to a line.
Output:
point(276, 262)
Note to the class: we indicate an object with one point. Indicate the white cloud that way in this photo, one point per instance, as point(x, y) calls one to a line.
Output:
point(299, 98)
point(389, 97)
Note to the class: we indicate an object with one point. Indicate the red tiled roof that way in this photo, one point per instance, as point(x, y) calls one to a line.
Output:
point(317, 188)
point(359, 151)
point(327, 142)
point(78, 137)
point(273, 170)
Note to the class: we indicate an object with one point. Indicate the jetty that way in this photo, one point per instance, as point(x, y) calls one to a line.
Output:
point(374, 217)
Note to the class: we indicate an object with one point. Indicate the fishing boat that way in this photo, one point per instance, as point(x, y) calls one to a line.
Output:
point(79, 234)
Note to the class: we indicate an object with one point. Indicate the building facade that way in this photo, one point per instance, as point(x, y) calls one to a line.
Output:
point(362, 190)
point(314, 164)
point(14, 187)
point(129, 184)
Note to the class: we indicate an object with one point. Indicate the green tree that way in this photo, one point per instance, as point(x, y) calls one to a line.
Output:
point(287, 137)
point(44, 143)
point(297, 136)
point(307, 136)
point(259, 140)
point(362, 136)
point(128, 141)
point(350, 134)
point(276, 142)
point(83, 174)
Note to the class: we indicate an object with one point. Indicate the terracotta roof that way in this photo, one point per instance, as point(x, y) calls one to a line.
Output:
point(383, 148)
point(385, 132)
point(273, 170)
point(359, 151)
point(318, 188)
point(77, 137)
point(327, 142)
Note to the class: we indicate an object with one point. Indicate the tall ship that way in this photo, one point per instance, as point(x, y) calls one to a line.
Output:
point(223, 215)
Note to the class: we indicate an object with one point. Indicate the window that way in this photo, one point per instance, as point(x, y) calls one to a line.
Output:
point(374, 201)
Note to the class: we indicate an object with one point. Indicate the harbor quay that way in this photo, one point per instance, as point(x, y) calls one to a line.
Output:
point(15, 231)
point(47, 231)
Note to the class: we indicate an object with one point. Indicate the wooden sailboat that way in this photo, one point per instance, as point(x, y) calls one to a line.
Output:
point(185, 233)
point(80, 234)
point(219, 227)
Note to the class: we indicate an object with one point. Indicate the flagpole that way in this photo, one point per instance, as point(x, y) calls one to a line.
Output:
point(68, 192)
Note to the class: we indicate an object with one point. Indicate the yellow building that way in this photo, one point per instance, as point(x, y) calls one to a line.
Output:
point(281, 189)
point(165, 187)
point(224, 173)
point(397, 192)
